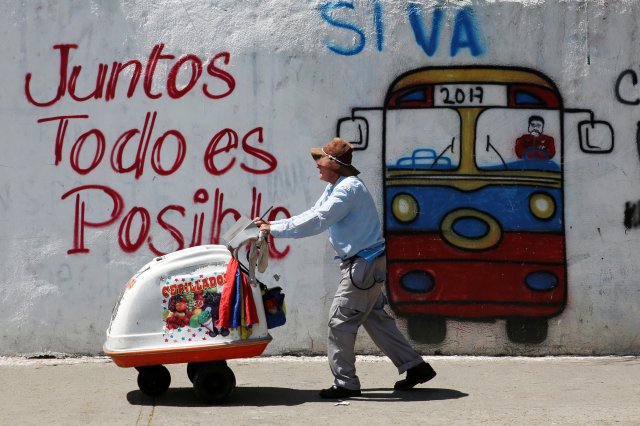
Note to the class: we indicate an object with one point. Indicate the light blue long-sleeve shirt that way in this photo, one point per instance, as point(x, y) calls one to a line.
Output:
point(347, 210)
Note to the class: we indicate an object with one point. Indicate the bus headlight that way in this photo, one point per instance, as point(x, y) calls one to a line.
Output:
point(542, 205)
point(404, 207)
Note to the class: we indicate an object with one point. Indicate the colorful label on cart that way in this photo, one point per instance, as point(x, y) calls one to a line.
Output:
point(190, 306)
point(191, 284)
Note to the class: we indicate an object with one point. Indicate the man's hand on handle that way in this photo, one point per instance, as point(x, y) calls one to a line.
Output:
point(262, 224)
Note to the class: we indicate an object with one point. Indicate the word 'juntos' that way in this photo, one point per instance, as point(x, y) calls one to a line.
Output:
point(219, 84)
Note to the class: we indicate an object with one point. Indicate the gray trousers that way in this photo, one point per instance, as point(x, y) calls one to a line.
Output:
point(353, 307)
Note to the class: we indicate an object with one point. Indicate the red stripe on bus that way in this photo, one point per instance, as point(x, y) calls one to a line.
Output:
point(476, 289)
point(513, 247)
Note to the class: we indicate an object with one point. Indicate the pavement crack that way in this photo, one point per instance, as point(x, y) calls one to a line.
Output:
point(139, 414)
point(153, 409)
point(143, 406)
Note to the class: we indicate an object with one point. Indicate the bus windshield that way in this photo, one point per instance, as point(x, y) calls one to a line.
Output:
point(412, 147)
point(518, 139)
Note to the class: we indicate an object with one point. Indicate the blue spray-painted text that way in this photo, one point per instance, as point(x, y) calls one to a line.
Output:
point(465, 33)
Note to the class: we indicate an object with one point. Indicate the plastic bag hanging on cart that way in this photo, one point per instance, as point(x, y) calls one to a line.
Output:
point(274, 308)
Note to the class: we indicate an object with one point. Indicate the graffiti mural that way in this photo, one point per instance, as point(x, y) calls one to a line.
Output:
point(513, 219)
point(473, 195)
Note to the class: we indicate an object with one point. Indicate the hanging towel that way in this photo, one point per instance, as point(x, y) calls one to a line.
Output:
point(258, 256)
point(237, 307)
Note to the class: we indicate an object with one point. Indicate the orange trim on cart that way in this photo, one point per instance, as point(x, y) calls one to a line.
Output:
point(218, 352)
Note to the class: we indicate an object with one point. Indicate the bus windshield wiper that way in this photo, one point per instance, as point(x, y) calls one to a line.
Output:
point(435, 161)
point(489, 145)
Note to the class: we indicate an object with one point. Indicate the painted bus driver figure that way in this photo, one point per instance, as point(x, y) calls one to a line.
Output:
point(347, 210)
point(535, 145)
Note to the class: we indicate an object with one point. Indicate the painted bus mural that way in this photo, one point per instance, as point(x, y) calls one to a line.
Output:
point(473, 196)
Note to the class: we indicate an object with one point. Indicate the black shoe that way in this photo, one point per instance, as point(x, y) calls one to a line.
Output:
point(339, 392)
point(418, 374)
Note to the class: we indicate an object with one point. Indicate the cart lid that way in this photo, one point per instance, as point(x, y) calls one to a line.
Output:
point(241, 231)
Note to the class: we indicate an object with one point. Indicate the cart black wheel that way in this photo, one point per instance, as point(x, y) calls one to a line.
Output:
point(214, 382)
point(192, 369)
point(153, 380)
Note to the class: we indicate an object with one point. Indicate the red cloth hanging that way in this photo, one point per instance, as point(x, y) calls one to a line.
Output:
point(251, 314)
point(225, 311)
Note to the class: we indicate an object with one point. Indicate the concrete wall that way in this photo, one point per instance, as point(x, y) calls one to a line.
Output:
point(218, 120)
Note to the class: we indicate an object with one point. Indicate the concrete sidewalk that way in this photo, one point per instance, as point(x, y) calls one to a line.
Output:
point(283, 391)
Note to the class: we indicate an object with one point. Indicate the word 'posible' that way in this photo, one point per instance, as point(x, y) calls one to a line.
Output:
point(135, 223)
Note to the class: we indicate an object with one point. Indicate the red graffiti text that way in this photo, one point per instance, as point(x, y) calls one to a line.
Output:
point(219, 157)
point(134, 224)
point(219, 84)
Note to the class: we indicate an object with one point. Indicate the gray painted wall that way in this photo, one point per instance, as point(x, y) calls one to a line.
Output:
point(223, 125)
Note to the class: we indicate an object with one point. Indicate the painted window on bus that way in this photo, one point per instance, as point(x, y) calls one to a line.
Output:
point(416, 147)
point(518, 139)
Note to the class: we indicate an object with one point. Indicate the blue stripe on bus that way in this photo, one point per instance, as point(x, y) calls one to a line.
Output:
point(509, 205)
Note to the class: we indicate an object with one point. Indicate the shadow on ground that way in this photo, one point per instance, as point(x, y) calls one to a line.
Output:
point(272, 396)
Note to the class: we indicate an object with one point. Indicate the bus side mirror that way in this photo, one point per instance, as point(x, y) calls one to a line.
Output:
point(596, 137)
point(354, 130)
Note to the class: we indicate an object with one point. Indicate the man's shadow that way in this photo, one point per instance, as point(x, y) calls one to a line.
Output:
point(274, 396)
